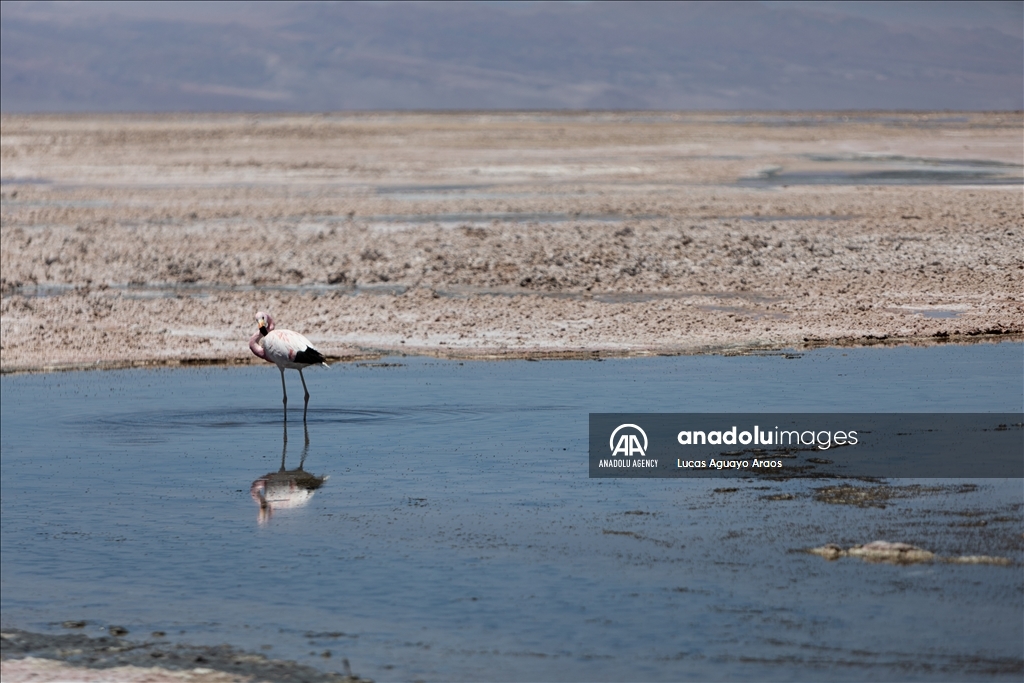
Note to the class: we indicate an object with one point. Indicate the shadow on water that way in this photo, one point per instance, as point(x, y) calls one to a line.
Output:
point(286, 489)
point(150, 426)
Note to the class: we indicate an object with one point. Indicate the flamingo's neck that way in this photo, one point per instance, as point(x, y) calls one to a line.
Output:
point(256, 347)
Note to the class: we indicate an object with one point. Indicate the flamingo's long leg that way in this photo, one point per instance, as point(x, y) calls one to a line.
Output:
point(303, 385)
point(284, 391)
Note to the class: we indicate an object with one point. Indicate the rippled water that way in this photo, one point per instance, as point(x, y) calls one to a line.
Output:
point(457, 535)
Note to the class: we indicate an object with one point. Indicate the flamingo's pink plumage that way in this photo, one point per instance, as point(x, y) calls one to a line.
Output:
point(284, 348)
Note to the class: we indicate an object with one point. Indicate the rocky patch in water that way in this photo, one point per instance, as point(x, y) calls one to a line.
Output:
point(900, 553)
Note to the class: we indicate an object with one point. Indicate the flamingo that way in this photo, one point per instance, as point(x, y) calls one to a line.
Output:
point(286, 349)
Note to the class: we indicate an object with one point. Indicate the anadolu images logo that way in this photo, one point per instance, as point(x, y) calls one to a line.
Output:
point(628, 444)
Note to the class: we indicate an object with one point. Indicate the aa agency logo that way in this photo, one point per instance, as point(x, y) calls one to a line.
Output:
point(628, 444)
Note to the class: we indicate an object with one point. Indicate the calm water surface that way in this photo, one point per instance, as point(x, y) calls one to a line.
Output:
point(457, 536)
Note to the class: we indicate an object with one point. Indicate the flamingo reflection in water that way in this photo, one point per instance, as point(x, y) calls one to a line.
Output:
point(286, 489)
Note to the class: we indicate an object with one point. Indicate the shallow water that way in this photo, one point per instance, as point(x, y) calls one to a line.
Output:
point(458, 537)
point(504, 217)
point(174, 290)
point(887, 170)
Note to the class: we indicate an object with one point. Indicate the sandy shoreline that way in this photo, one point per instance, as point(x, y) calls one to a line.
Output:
point(28, 656)
point(153, 240)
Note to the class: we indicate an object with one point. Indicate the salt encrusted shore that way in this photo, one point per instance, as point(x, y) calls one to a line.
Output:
point(27, 657)
point(152, 240)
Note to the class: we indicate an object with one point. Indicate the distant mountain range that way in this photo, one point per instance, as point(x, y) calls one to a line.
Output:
point(312, 56)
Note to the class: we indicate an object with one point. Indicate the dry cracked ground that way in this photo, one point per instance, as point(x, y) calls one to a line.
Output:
point(154, 239)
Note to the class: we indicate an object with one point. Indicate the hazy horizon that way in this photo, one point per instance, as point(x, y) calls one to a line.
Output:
point(60, 57)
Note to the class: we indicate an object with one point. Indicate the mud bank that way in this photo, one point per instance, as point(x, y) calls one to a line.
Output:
point(30, 656)
point(155, 239)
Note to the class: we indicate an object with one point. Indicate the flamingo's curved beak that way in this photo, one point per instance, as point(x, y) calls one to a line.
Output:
point(262, 322)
